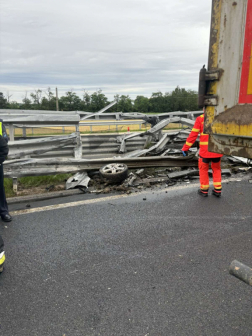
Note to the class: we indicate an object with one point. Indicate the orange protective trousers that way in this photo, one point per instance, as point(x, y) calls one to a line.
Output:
point(204, 177)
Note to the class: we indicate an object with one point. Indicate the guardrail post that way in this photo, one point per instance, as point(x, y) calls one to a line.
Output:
point(15, 184)
point(24, 132)
point(147, 141)
point(78, 147)
point(12, 132)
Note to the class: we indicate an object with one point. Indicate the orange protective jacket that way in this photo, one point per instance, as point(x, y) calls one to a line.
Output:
point(198, 128)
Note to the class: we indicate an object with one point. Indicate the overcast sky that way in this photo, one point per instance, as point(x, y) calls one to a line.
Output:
point(132, 47)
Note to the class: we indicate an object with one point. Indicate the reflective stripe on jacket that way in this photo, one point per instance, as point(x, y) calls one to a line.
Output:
point(198, 128)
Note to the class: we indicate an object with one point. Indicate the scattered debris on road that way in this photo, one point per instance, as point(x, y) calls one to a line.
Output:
point(139, 180)
point(79, 180)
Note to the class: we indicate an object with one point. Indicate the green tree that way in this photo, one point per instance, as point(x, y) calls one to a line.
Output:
point(141, 104)
point(157, 102)
point(8, 97)
point(3, 101)
point(48, 102)
point(36, 97)
point(27, 104)
point(192, 100)
point(114, 108)
point(124, 104)
point(70, 102)
point(98, 101)
point(14, 105)
point(179, 99)
point(183, 100)
point(86, 102)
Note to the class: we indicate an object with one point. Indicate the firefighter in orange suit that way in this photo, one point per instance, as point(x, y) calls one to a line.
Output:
point(205, 158)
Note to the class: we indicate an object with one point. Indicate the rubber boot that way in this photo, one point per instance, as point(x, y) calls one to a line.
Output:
point(203, 193)
point(216, 193)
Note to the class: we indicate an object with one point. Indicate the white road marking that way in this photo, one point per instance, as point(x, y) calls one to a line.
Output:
point(103, 199)
point(66, 205)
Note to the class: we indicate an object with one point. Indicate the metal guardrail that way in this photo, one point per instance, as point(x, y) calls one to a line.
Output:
point(35, 147)
point(96, 146)
point(19, 168)
point(69, 146)
point(59, 154)
point(93, 146)
point(36, 118)
point(42, 119)
point(104, 116)
point(36, 112)
point(111, 122)
point(92, 124)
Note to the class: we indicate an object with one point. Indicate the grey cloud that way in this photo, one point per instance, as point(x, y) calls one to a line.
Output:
point(134, 46)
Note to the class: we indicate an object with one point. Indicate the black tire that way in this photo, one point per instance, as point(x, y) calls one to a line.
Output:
point(114, 172)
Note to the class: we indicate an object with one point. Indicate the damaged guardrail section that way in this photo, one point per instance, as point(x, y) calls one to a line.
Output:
point(36, 147)
point(71, 153)
point(23, 148)
point(140, 151)
point(36, 167)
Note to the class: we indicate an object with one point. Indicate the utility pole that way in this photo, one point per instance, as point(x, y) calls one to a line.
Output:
point(57, 100)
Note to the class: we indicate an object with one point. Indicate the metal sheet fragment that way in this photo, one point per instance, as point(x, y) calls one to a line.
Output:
point(78, 180)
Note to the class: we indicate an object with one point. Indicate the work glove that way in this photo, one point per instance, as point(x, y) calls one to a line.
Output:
point(185, 153)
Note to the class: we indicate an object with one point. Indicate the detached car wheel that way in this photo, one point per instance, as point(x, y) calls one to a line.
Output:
point(114, 172)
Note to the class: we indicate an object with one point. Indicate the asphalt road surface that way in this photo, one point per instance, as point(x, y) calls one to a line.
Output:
point(126, 266)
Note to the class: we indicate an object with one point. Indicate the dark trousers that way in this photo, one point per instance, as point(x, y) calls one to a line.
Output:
point(3, 204)
point(1, 244)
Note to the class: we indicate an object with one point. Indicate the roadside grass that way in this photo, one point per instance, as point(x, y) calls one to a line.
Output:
point(34, 181)
point(8, 185)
